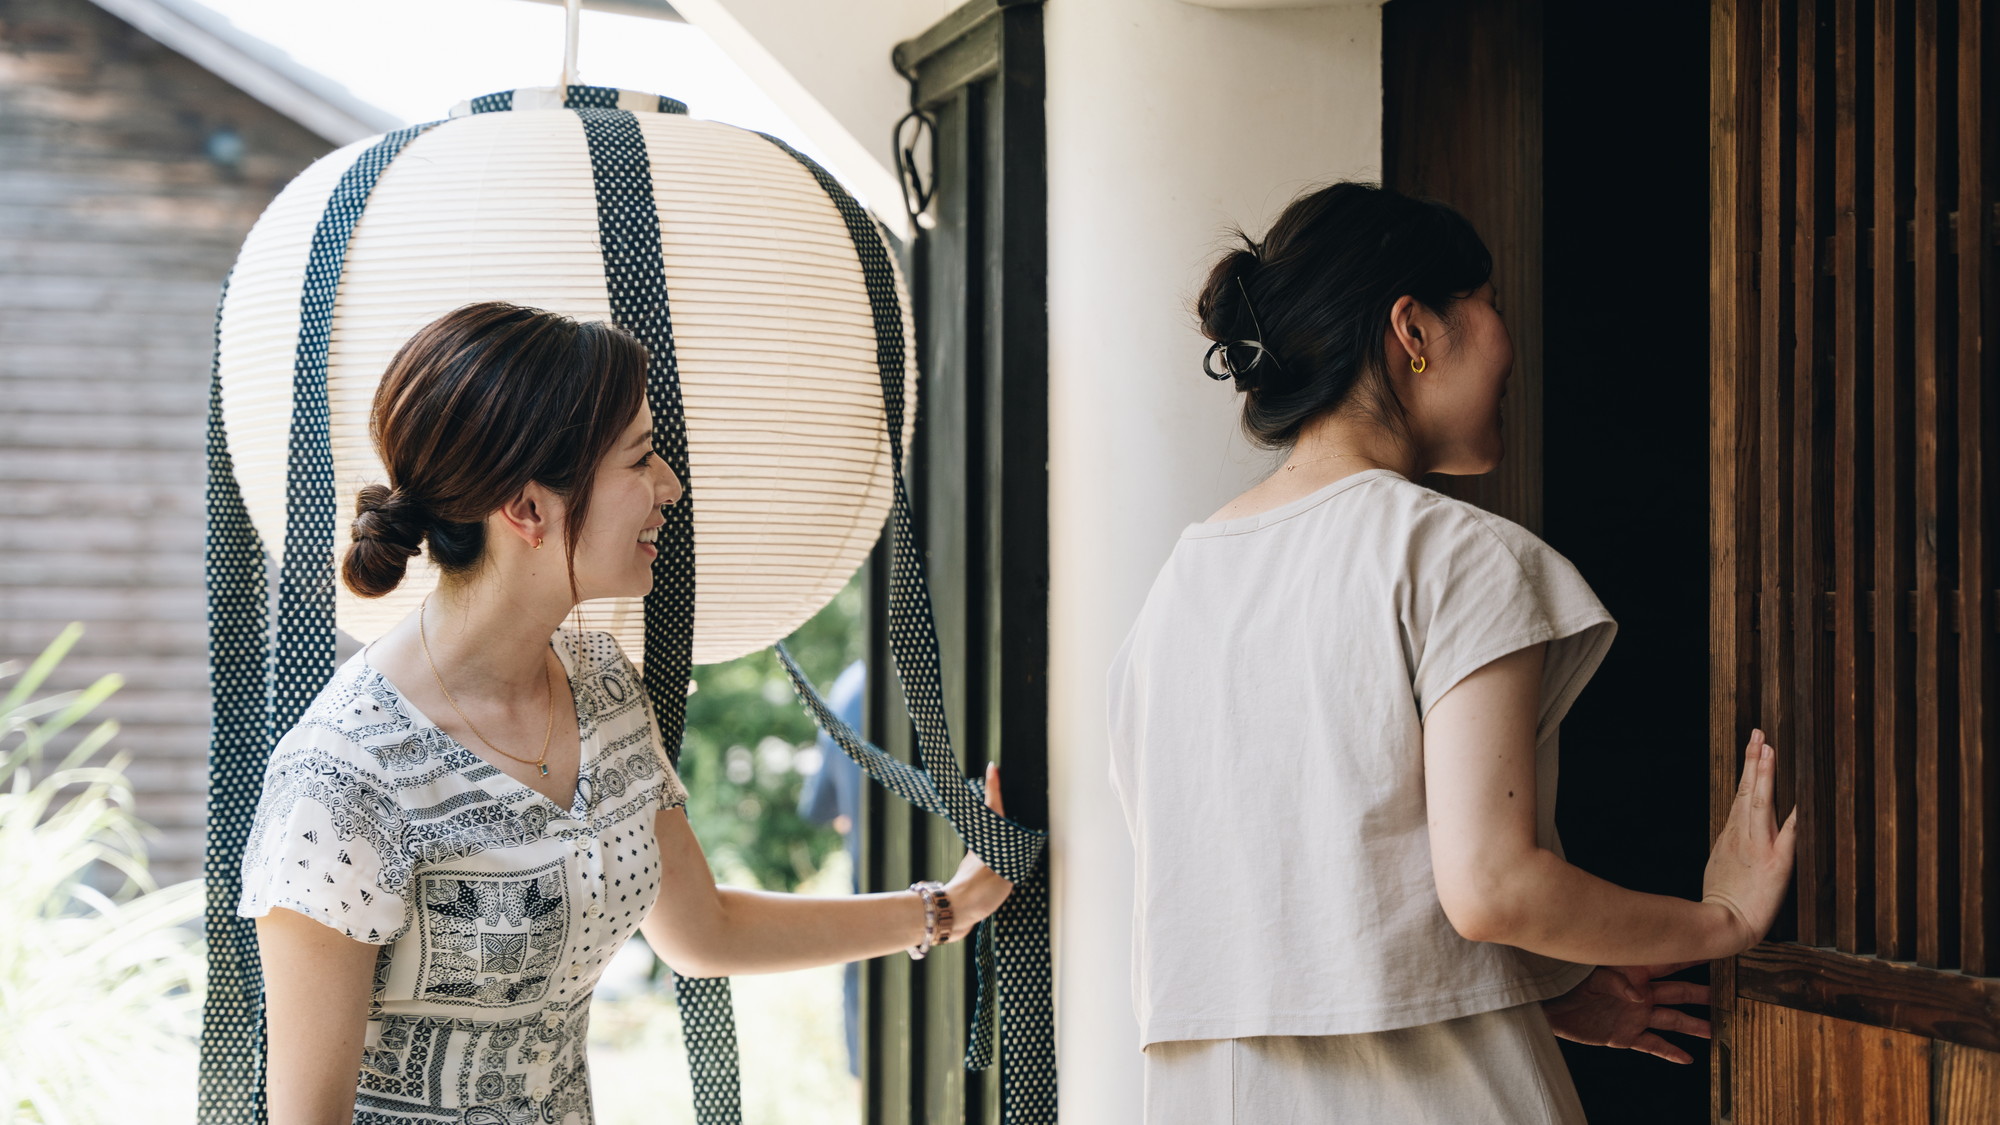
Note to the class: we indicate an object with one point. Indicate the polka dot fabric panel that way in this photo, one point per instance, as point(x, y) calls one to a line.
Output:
point(635, 276)
point(1012, 951)
point(260, 687)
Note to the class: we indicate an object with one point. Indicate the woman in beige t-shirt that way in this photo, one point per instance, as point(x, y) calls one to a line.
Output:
point(1358, 682)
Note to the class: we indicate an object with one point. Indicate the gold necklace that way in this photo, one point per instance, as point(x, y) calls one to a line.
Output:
point(541, 762)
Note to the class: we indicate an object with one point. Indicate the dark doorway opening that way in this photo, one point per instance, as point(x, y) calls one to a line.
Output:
point(1575, 137)
point(1625, 465)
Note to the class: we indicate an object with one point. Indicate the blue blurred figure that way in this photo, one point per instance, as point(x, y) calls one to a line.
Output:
point(833, 796)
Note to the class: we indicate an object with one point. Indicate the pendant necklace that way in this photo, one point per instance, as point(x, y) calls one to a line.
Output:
point(542, 762)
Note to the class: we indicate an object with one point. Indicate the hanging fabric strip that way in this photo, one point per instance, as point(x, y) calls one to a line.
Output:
point(1011, 951)
point(257, 693)
point(232, 1041)
point(628, 224)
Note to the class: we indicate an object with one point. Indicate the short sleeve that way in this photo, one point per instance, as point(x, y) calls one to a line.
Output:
point(673, 794)
point(326, 842)
point(1482, 587)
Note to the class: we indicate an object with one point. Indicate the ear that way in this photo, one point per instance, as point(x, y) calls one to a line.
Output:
point(1407, 319)
point(530, 514)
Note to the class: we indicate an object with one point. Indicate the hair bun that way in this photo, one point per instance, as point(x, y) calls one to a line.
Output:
point(388, 531)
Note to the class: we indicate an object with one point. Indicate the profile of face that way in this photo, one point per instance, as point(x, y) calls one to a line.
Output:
point(615, 552)
point(1452, 406)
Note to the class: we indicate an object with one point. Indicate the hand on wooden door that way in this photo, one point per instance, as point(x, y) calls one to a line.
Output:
point(1751, 864)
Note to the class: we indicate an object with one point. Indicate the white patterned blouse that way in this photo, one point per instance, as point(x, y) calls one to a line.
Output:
point(495, 907)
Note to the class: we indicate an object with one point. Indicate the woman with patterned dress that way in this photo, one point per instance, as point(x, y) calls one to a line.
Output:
point(477, 813)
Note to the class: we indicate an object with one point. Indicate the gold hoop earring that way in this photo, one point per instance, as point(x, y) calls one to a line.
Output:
point(1417, 366)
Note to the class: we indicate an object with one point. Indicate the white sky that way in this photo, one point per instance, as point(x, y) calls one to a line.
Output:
point(418, 58)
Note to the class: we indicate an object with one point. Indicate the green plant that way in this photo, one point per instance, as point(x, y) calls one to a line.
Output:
point(741, 756)
point(100, 980)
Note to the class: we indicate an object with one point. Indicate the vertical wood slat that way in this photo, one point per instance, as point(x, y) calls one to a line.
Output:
point(1930, 830)
point(1774, 500)
point(952, 496)
point(1732, 320)
point(1853, 818)
point(1978, 793)
point(1967, 1084)
point(889, 1012)
point(1894, 807)
point(1802, 682)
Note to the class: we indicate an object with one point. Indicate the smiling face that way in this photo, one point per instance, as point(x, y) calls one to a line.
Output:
point(1454, 405)
point(615, 553)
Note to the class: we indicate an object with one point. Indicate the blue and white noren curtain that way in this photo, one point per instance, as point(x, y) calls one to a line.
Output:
point(782, 386)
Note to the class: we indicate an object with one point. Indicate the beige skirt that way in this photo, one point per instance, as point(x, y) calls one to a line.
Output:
point(1494, 1068)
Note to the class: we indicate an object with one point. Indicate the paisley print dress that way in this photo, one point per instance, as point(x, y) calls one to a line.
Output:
point(496, 908)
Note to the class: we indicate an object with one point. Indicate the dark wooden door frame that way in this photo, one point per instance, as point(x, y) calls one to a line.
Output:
point(979, 478)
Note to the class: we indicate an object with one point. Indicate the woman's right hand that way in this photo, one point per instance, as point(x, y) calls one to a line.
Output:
point(1750, 866)
point(977, 890)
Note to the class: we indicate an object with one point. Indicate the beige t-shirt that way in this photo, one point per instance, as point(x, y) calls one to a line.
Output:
point(1267, 746)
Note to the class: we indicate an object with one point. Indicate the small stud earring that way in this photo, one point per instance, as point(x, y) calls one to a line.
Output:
point(538, 542)
point(1417, 365)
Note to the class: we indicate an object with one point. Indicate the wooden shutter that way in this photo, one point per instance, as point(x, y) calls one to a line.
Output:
point(1853, 441)
point(979, 478)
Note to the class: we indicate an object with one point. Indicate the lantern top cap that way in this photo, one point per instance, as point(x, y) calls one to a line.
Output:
point(571, 97)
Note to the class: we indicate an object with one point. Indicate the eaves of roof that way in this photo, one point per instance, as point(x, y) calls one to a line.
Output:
point(271, 76)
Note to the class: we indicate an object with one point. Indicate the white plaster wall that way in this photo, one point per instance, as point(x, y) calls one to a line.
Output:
point(826, 64)
point(1167, 124)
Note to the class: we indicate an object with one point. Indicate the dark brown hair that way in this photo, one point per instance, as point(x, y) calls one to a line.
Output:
point(476, 405)
point(1321, 285)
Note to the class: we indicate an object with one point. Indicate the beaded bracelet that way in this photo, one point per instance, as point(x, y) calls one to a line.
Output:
point(937, 917)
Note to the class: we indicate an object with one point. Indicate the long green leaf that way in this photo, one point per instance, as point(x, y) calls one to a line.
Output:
point(43, 665)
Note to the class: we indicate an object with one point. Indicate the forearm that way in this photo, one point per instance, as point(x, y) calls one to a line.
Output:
point(1543, 904)
point(763, 932)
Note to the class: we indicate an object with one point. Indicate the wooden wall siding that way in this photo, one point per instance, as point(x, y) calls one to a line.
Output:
point(1853, 438)
point(1825, 1071)
point(116, 228)
point(1967, 1086)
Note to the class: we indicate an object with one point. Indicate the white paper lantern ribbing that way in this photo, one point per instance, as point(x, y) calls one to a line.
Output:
point(773, 330)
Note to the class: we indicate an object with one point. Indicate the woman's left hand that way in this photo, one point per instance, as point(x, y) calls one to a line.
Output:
point(1622, 1006)
point(976, 890)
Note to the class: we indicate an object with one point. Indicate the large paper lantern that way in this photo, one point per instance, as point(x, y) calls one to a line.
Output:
point(773, 332)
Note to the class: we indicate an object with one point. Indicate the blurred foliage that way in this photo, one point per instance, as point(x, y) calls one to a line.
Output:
point(750, 747)
point(100, 977)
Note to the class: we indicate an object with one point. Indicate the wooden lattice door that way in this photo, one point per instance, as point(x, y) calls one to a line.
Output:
point(1853, 445)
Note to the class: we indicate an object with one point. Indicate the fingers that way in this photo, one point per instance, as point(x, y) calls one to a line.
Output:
point(1767, 774)
point(993, 789)
point(1671, 1019)
point(1680, 992)
point(1752, 754)
point(1660, 1048)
